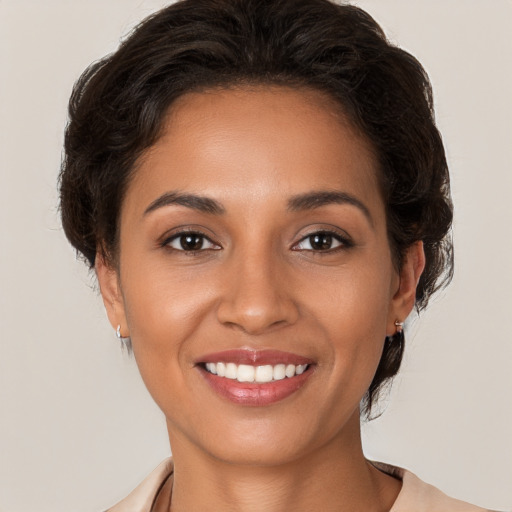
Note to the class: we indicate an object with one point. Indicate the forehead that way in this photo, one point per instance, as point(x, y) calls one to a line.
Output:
point(260, 143)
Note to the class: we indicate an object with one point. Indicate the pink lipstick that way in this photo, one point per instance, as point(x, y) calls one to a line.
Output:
point(255, 377)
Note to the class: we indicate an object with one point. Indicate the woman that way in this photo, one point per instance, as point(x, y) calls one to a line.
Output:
point(264, 197)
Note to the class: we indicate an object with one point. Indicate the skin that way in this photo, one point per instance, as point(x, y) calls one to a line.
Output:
point(258, 283)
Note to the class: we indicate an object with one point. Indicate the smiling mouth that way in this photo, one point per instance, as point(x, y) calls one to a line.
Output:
point(257, 374)
point(259, 386)
point(255, 378)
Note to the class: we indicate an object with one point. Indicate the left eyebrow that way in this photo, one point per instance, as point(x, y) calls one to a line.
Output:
point(201, 203)
point(317, 199)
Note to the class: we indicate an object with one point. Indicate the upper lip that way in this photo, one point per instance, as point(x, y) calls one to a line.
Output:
point(254, 357)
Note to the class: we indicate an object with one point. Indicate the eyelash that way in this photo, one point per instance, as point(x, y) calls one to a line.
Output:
point(344, 242)
point(191, 233)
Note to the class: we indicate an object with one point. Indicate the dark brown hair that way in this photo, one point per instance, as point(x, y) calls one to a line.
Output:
point(118, 105)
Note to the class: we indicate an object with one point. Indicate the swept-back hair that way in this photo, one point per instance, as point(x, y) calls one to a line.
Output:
point(118, 106)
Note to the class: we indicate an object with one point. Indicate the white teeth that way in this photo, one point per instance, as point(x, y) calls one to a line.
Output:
point(231, 370)
point(249, 373)
point(279, 372)
point(264, 373)
point(290, 370)
point(301, 369)
point(212, 368)
point(221, 369)
point(245, 373)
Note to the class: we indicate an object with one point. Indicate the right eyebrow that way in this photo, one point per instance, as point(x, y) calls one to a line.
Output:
point(196, 202)
point(319, 198)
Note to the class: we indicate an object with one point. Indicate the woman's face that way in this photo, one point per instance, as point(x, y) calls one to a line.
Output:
point(254, 235)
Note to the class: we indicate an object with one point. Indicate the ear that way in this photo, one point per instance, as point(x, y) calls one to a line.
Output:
point(108, 279)
point(403, 300)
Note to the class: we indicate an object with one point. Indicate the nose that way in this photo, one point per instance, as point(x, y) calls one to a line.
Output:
point(257, 296)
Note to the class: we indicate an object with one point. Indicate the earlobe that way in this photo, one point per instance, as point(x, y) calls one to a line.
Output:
point(108, 280)
point(412, 267)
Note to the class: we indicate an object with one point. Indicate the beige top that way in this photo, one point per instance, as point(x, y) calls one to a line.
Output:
point(415, 496)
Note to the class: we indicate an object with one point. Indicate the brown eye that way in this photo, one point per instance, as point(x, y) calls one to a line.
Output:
point(190, 242)
point(322, 241)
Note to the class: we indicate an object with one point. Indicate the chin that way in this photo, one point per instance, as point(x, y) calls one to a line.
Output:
point(272, 440)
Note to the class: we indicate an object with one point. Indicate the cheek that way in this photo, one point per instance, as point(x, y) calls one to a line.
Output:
point(353, 311)
point(353, 300)
point(164, 301)
point(163, 310)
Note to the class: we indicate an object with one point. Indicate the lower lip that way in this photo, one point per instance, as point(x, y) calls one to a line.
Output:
point(256, 394)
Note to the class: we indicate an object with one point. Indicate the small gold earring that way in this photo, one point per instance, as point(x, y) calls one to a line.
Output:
point(399, 326)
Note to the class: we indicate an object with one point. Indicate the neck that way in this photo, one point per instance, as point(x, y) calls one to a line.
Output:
point(335, 477)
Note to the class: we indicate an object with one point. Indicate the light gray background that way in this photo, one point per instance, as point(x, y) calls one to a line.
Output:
point(77, 428)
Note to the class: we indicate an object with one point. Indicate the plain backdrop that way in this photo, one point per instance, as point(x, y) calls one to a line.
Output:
point(77, 428)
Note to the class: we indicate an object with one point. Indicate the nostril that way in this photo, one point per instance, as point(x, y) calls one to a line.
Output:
point(251, 318)
point(255, 325)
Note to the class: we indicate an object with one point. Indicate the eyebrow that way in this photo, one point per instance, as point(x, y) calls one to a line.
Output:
point(301, 202)
point(196, 202)
point(317, 199)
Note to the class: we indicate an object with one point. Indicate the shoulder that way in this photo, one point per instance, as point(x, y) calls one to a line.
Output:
point(418, 496)
point(141, 499)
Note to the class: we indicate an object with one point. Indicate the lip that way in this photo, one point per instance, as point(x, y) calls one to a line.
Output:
point(254, 394)
point(254, 357)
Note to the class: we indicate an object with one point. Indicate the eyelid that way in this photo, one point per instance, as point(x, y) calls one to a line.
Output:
point(344, 240)
point(179, 232)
